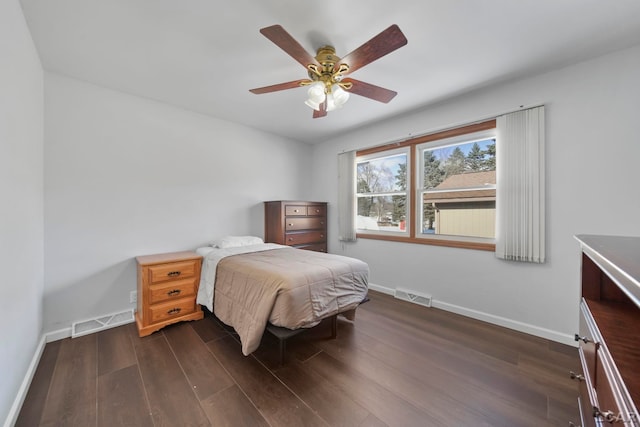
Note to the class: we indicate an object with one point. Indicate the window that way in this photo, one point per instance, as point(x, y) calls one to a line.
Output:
point(381, 192)
point(435, 189)
point(457, 186)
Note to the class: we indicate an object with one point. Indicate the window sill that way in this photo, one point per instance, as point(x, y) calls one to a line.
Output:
point(435, 242)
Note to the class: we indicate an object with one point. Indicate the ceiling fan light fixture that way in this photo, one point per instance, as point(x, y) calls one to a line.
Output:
point(336, 98)
point(313, 105)
point(316, 95)
point(331, 102)
point(340, 96)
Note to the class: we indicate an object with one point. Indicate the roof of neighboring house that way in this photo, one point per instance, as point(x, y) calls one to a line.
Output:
point(464, 187)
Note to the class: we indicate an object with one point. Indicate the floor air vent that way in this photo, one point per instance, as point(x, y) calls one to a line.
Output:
point(413, 297)
point(100, 323)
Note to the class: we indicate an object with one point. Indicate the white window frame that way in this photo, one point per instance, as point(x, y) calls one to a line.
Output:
point(419, 180)
point(407, 193)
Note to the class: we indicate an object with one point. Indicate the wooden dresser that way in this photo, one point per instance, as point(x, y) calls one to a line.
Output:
point(167, 288)
point(608, 337)
point(295, 223)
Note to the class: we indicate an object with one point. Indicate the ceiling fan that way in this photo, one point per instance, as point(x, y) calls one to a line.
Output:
point(329, 87)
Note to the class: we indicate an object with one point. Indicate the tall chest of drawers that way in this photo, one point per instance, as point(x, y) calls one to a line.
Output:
point(301, 224)
point(167, 288)
point(609, 345)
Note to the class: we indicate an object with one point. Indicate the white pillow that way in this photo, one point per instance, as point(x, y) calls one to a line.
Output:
point(236, 241)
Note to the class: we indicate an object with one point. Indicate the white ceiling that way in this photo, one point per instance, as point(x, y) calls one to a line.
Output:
point(205, 55)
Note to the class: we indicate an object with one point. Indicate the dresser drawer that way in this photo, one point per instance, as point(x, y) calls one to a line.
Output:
point(607, 393)
point(171, 309)
point(317, 210)
point(292, 224)
point(585, 407)
point(319, 247)
point(171, 290)
point(589, 333)
point(295, 210)
point(305, 237)
point(301, 210)
point(587, 397)
point(171, 271)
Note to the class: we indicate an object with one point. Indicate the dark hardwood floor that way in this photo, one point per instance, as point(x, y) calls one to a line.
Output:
point(398, 364)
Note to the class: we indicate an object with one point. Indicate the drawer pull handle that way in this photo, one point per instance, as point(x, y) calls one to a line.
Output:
point(296, 210)
point(575, 376)
point(290, 239)
point(585, 340)
point(290, 225)
point(173, 273)
point(174, 310)
point(174, 292)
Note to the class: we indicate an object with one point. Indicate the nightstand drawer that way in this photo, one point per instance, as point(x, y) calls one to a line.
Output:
point(168, 310)
point(172, 290)
point(307, 237)
point(177, 270)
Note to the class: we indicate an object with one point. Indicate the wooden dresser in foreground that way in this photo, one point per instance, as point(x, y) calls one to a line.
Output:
point(167, 288)
point(296, 223)
point(609, 324)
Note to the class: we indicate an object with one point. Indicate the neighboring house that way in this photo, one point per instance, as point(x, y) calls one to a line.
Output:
point(465, 204)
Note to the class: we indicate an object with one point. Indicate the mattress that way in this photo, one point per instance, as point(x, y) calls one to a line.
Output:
point(251, 286)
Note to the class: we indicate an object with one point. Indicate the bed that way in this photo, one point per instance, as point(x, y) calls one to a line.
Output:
point(256, 284)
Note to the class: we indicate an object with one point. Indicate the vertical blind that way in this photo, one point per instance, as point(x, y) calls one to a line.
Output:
point(346, 196)
point(520, 204)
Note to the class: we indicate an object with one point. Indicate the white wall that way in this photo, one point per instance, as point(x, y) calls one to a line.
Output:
point(592, 112)
point(126, 176)
point(21, 210)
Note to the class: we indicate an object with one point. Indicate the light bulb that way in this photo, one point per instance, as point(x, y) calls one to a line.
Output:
point(331, 103)
point(313, 105)
point(340, 96)
point(316, 95)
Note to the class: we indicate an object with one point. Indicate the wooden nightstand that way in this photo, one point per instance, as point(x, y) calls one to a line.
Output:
point(167, 288)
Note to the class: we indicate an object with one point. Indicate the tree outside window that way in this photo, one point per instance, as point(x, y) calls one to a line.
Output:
point(382, 191)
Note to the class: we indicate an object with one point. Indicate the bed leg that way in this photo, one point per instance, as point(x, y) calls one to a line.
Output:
point(334, 326)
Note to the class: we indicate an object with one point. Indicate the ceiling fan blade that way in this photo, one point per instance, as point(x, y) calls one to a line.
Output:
point(281, 86)
point(368, 90)
point(385, 42)
point(321, 112)
point(284, 41)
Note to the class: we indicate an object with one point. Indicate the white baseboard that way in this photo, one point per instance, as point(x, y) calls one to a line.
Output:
point(35, 360)
point(507, 323)
point(60, 334)
point(24, 387)
point(493, 319)
point(381, 289)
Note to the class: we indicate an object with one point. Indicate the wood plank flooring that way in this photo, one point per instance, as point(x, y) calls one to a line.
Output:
point(398, 364)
